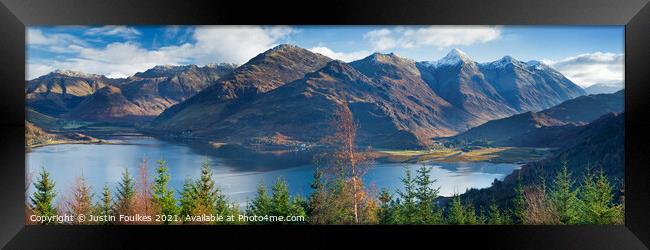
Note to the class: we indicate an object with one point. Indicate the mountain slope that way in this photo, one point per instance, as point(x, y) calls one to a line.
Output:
point(597, 146)
point(578, 111)
point(142, 96)
point(529, 86)
point(303, 110)
point(458, 80)
point(58, 92)
point(265, 72)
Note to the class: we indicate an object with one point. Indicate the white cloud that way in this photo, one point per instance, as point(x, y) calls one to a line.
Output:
point(236, 44)
point(591, 68)
point(434, 36)
point(346, 57)
point(232, 44)
point(36, 37)
point(121, 31)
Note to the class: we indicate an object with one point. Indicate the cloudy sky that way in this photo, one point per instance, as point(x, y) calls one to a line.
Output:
point(586, 55)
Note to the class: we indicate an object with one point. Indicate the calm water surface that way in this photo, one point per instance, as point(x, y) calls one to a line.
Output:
point(237, 174)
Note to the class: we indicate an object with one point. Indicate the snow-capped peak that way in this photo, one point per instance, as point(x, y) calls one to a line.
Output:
point(455, 56)
point(538, 65)
point(72, 73)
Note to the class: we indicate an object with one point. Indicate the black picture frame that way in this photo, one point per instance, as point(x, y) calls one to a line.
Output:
point(15, 15)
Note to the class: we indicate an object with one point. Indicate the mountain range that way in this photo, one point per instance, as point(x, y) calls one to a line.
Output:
point(291, 93)
point(88, 97)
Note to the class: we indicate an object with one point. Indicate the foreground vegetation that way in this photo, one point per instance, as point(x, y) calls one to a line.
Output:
point(338, 196)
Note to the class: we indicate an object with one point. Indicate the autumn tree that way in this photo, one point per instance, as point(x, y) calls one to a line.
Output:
point(43, 198)
point(80, 204)
point(143, 203)
point(350, 164)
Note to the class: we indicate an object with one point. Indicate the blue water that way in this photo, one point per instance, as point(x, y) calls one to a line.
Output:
point(238, 179)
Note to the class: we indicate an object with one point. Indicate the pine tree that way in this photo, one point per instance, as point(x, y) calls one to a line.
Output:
point(385, 214)
point(208, 197)
point(187, 200)
point(456, 213)
point(282, 204)
point(564, 197)
point(162, 196)
point(262, 203)
point(495, 217)
point(317, 199)
point(125, 194)
point(519, 202)
point(80, 205)
point(105, 207)
point(426, 195)
point(408, 206)
point(470, 215)
point(43, 197)
point(597, 196)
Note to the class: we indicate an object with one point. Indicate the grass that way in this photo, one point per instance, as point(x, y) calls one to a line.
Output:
point(495, 155)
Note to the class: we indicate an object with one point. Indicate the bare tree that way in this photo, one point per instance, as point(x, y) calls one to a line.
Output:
point(345, 159)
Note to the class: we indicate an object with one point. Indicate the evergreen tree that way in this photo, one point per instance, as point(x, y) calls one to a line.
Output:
point(207, 195)
point(262, 203)
point(385, 214)
point(162, 196)
point(105, 207)
point(519, 202)
point(408, 206)
point(317, 199)
point(43, 197)
point(456, 213)
point(188, 199)
point(282, 204)
point(125, 193)
point(564, 197)
point(495, 216)
point(597, 196)
point(470, 215)
point(426, 196)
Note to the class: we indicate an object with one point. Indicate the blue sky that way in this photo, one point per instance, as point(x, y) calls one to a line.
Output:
point(585, 54)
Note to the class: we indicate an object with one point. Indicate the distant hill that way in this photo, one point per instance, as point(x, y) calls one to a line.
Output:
point(142, 96)
point(578, 111)
point(596, 146)
point(601, 88)
point(58, 92)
